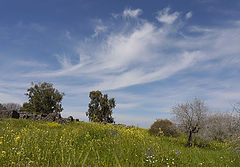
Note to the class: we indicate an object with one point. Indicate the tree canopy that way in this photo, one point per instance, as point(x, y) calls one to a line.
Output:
point(43, 98)
point(100, 108)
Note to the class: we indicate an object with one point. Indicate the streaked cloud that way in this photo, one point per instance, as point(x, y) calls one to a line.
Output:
point(134, 13)
point(165, 16)
point(148, 67)
point(188, 15)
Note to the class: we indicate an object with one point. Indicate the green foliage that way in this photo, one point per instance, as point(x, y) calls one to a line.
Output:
point(43, 98)
point(27, 107)
point(100, 108)
point(164, 127)
point(29, 143)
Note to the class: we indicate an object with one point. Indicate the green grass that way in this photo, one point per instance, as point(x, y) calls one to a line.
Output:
point(28, 143)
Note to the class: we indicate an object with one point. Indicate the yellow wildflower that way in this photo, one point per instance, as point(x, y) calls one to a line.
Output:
point(4, 153)
point(17, 138)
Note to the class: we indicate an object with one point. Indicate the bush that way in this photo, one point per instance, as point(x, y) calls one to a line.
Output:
point(163, 127)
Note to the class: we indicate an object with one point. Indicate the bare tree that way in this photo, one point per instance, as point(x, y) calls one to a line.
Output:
point(12, 106)
point(236, 108)
point(191, 116)
point(220, 126)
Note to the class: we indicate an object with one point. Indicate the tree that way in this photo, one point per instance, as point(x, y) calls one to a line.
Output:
point(2, 107)
point(236, 108)
point(12, 106)
point(100, 108)
point(220, 126)
point(191, 116)
point(43, 98)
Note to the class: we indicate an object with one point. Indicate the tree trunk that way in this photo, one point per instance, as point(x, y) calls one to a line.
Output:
point(189, 139)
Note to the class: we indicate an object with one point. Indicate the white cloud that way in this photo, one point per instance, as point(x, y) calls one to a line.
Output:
point(99, 29)
point(165, 17)
point(127, 105)
point(142, 53)
point(132, 13)
point(64, 61)
point(31, 26)
point(188, 15)
point(68, 35)
point(199, 29)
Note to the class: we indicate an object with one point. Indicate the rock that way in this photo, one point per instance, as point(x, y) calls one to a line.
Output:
point(70, 118)
point(9, 114)
point(52, 117)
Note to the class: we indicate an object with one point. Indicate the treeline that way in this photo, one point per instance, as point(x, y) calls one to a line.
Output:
point(200, 124)
point(43, 98)
point(192, 118)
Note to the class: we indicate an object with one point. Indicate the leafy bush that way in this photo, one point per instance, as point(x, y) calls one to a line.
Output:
point(163, 127)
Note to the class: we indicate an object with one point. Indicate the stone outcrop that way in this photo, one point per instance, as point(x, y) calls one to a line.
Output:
point(52, 117)
point(9, 114)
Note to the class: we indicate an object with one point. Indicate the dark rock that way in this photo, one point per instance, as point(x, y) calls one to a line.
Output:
point(9, 114)
point(70, 118)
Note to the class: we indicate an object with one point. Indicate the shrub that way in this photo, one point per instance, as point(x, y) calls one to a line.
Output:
point(163, 127)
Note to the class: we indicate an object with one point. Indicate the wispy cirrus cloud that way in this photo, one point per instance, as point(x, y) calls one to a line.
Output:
point(130, 52)
point(144, 53)
point(165, 16)
point(188, 15)
point(134, 13)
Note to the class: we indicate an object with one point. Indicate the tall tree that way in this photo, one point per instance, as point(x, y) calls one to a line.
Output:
point(43, 98)
point(191, 116)
point(100, 108)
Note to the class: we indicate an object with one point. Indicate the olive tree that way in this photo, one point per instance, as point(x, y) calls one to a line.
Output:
point(191, 116)
point(43, 98)
point(100, 107)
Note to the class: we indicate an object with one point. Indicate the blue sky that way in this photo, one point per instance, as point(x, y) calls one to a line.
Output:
point(148, 55)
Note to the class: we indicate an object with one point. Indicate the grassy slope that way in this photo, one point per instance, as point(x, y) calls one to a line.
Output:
point(28, 143)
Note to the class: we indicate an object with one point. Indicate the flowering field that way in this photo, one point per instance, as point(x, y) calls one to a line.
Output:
point(28, 143)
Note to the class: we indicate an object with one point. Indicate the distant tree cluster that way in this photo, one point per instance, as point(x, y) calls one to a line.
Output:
point(44, 98)
point(10, 106)
point(195, 119)
point(192, 118)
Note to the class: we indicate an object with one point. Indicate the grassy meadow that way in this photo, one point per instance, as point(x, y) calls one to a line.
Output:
point(29, 143)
